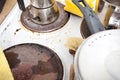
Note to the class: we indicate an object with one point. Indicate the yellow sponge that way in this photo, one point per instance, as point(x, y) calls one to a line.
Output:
point(5, 72)
point(73, 42)
point(72, 8)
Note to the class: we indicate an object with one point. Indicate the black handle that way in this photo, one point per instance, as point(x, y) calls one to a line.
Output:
point(21, 5)
point(2, 3)
point(92, 20)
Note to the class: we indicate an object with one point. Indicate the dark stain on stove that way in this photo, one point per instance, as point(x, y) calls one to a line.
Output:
point(45, 67)
point(22, 72)
point(37, 18)
point(72, 52)
point(8, 25)
point(3, 40)
point(17, 31)
point(12, 59)
point(60, 40)
point(6, 28)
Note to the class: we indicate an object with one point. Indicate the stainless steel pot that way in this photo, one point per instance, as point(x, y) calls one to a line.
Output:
point(42, 11)
point(44, 16)
point(42, 3)
point(97, 58)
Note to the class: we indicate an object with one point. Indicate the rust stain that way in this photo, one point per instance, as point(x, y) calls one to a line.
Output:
point(23, 27)
point(6, 28)
point(17, 31)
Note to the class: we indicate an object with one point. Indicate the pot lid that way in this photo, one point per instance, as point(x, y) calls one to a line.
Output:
point(98, 57)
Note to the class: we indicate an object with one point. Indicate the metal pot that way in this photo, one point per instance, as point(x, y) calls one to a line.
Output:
point(44, 16)
point(97, 58)
point(42, 11)
point(42, 3)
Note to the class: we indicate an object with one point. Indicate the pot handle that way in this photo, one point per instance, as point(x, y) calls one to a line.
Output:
point(92, 20)
point(21, 5)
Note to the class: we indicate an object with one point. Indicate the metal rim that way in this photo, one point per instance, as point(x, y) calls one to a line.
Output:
point(62, 19)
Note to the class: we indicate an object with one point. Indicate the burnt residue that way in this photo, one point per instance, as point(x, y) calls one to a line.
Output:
point(22, 72)
point(12, 59)
point(45, 67)
point(31, 61)
point(37, 18)
point(72, 52)
point(17, 31)
point(5, 28)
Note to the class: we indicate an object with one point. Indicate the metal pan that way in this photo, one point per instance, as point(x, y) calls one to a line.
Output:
point(92, 20)
point(30, 61)
point(97, 58)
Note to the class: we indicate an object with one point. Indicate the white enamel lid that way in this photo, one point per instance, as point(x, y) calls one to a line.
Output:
point(98, 58)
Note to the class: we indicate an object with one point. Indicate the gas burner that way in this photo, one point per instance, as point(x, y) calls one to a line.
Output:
point(36, 25)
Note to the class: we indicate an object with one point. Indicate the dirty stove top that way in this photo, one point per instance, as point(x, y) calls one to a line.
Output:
point(12, 32)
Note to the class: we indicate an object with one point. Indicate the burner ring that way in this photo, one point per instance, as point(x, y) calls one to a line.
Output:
point(57, 24)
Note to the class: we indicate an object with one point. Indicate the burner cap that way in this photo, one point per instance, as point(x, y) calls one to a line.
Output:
point(34, 62)
point(58, 23)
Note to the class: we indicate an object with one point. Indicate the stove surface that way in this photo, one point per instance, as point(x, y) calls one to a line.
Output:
point(12, 32)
